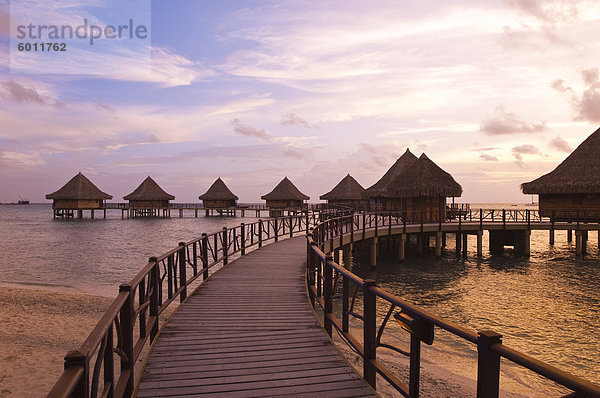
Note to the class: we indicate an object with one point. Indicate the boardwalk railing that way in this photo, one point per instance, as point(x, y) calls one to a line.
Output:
point(105, 363)
point(326, 278)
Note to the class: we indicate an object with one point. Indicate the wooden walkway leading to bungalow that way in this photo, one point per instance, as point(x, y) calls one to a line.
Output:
point(249, 331)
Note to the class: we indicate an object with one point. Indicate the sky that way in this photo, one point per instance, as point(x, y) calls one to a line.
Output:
point(496, 93)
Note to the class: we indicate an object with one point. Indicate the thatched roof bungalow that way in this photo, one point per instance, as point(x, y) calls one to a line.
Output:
point(149, 195)
point(347, 192)
point(421, 191)
point(573, 187)
point(285, 196)
point(376, 192)
point(78, 193)
point(218, 196)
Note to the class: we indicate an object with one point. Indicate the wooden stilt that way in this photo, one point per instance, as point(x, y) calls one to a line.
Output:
point(373, 252)
point(402, 247)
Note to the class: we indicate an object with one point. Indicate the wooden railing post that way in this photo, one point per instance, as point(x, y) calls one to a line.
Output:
point(170, 281)
point(503, 218)
point(488, 365)
point(205, 256)
point(182, 272)
point(276, 227)
point(225, 244)
point(345, 304)
point(260, 232)
point(292, 228)
point(77, 359)
point(126, 318)
point(154, 297)
point(369, 331)
point(327, 293)
point(481, 219)
point(195, 257)
point(109, 363)
point(415, 366)
point(331, 234)
point(243, 238)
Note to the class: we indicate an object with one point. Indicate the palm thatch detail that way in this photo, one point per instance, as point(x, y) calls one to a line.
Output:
point(149, 190)
point(218, 191)
point(347, 189)
point(380, 187)
point(579, 173)
point(285, 190)
point(79, 188)
point(423, 178)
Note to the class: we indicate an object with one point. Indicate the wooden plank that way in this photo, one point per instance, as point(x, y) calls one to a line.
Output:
point(249, 331)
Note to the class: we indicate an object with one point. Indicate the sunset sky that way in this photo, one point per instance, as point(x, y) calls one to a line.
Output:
point(496, 93)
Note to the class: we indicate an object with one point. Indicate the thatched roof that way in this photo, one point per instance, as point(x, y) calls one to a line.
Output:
point(347, 189)
point(380, 187)
point(578, 173)
point(424, 178)
point(218, 191)
point(149, 190)
point(79, 187)
point(285, 190)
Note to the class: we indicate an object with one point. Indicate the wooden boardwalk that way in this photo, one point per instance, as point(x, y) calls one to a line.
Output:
point(249, 332)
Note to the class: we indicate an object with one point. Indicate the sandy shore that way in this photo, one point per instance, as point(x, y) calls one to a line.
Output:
point(37, 329)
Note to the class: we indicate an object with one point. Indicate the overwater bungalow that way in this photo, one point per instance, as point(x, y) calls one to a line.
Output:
point(77, 195)
point(148, 200)
point(285, 196)
point(219, 198)
point(572, 190)
point(421, 191)
point(375, 194)
point(347, 192)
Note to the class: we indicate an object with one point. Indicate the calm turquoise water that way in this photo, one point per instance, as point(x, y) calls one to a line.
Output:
point(546, 305)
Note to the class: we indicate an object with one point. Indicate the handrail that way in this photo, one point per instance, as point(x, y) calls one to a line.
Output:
point(323, 275)
point(132, 320)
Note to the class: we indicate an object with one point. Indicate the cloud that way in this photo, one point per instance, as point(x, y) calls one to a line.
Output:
point(526, 149)
point(291, 119)
point(546, 10)
point(488, 158)
point(505, 123)
point(4, 23)
point(587, 104)
point(249, 131)
point(295, 154)
point(18, 93)
point(560, 145)
point(559, 85)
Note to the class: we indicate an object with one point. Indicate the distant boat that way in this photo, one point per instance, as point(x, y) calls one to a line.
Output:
point(23, 201)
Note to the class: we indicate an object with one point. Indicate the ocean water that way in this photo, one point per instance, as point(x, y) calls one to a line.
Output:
point(546, 305)
point(90, 256)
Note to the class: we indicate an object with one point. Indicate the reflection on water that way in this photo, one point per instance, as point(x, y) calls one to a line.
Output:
point(93, 256)
point(545, 305)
